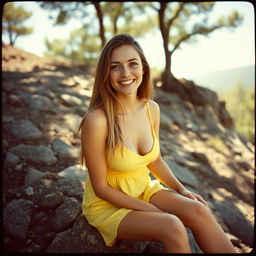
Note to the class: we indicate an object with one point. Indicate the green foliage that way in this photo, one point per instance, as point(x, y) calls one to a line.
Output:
point(198, 13)
point(83, 44)
point(240, 102)
point(80, 47)
point(13, 19)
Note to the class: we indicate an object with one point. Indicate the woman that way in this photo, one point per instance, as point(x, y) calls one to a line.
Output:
point(120, 146)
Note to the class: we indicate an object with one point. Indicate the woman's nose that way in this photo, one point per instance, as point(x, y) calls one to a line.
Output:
point(125, 71)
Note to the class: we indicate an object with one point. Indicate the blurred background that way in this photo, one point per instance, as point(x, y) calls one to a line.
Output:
point(211, 43)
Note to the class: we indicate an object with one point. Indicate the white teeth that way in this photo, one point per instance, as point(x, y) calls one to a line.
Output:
point(126, 82)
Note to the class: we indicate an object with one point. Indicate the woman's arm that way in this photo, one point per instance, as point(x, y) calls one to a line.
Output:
point(159, 167)
point(94, 135)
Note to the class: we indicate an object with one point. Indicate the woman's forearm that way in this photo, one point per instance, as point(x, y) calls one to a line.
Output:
point(162, 171)
point(120, 199)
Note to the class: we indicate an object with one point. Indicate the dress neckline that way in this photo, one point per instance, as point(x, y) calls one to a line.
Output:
point(153, 135)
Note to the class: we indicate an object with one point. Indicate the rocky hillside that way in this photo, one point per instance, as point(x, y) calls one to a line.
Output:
point(42, 104)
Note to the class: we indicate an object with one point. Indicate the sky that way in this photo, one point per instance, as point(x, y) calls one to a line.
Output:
point(222, 49)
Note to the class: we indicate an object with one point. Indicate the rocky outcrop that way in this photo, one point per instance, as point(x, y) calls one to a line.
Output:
point(43, 183)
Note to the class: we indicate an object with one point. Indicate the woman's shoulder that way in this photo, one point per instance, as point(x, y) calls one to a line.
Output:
point(96, 119)
point(154, 107)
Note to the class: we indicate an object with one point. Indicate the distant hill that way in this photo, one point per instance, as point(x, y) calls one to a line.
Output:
point(222, 81)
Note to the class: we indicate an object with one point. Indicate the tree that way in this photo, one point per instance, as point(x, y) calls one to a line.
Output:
point(118, 14)
point(13, 19)
point(177, 27)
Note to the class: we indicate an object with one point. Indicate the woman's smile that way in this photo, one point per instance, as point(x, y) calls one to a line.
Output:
point(126, 70)
point(127, 83)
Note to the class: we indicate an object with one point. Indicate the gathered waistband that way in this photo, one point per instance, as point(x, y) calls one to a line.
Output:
point(129, 173)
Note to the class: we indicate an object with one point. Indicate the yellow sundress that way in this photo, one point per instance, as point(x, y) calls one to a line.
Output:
point(128, 173)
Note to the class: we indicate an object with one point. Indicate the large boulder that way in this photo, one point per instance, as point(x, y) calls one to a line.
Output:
point(16, 218)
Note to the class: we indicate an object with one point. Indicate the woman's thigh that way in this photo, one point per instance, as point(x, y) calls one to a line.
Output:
point(187, 210)
point(150, 226)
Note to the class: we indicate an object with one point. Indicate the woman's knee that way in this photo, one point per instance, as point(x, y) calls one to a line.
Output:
point(200, 211)
point(173, 229)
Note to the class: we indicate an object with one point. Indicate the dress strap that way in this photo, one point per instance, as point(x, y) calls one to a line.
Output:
point(150, 119)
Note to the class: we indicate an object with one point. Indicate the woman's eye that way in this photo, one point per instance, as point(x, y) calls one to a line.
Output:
point(115, 67)
point(133, 64)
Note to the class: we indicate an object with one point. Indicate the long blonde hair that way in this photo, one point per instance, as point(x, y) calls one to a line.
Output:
point(103, 94)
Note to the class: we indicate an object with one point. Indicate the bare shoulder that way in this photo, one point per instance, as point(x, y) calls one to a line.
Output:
point(95, 121)
point(154, 109)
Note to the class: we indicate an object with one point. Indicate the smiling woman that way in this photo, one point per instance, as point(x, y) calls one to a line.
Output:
point(126, 70)
point(120, 146)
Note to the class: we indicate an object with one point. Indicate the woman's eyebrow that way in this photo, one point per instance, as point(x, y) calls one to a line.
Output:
point(112, 62)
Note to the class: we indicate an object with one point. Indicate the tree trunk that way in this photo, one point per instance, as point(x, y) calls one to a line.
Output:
point(166, 75)
point(101, 25)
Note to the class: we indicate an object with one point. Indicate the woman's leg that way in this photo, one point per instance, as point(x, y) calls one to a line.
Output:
point(153, 226)
point(196, 216)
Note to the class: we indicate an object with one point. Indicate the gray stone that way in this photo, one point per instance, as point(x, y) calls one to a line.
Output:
point(7, 119)
point(66, 214)
point(70, 100)
point(75, 171)
point(29, 191)
point(72, 121)
point(68, 82)
point(70, 187)
point(235, 221)
point(24, 130)
point(32, 176)
point(83, 238)
point(182, 173)
point(51, 200)
point(201, 157)
point(11, 159)
point(35, 154)
point(165, 122)
point(63, 150)
point(16, 218)
point(40, 102)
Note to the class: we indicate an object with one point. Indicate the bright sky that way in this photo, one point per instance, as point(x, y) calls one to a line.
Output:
point(223, 49)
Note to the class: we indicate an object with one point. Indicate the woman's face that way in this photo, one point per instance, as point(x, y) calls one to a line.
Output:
point(126, 70)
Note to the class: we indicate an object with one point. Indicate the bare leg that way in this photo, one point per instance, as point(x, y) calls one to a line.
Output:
point(154, 226)
point(193, 214)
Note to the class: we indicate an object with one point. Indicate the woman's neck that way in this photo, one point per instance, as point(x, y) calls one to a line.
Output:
point(130, 104)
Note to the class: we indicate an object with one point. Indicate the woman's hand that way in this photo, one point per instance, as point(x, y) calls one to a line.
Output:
point(193, 196)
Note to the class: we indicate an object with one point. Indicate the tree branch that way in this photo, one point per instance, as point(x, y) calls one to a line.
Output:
point(176, 15)
point(202, 31)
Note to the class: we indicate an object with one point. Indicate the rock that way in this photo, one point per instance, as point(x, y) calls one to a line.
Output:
point(165, 122)
point(16, 218)
point(70, 100)
point(72, 121)
point(235, 221)
point(11, 160)
point(75, 171)
point(66, 214)
point(7, 119)
point(69, 82)
point(40, 102)
point(70, 187)
point(63, 150)
point(182, 173)
point(24, 130)
point(224, 116)
point(201, 157)
point(51, 200)
point(83, 238)
point(29, 191)
point(15, 100)
point(35, 154)
point(32, 176)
